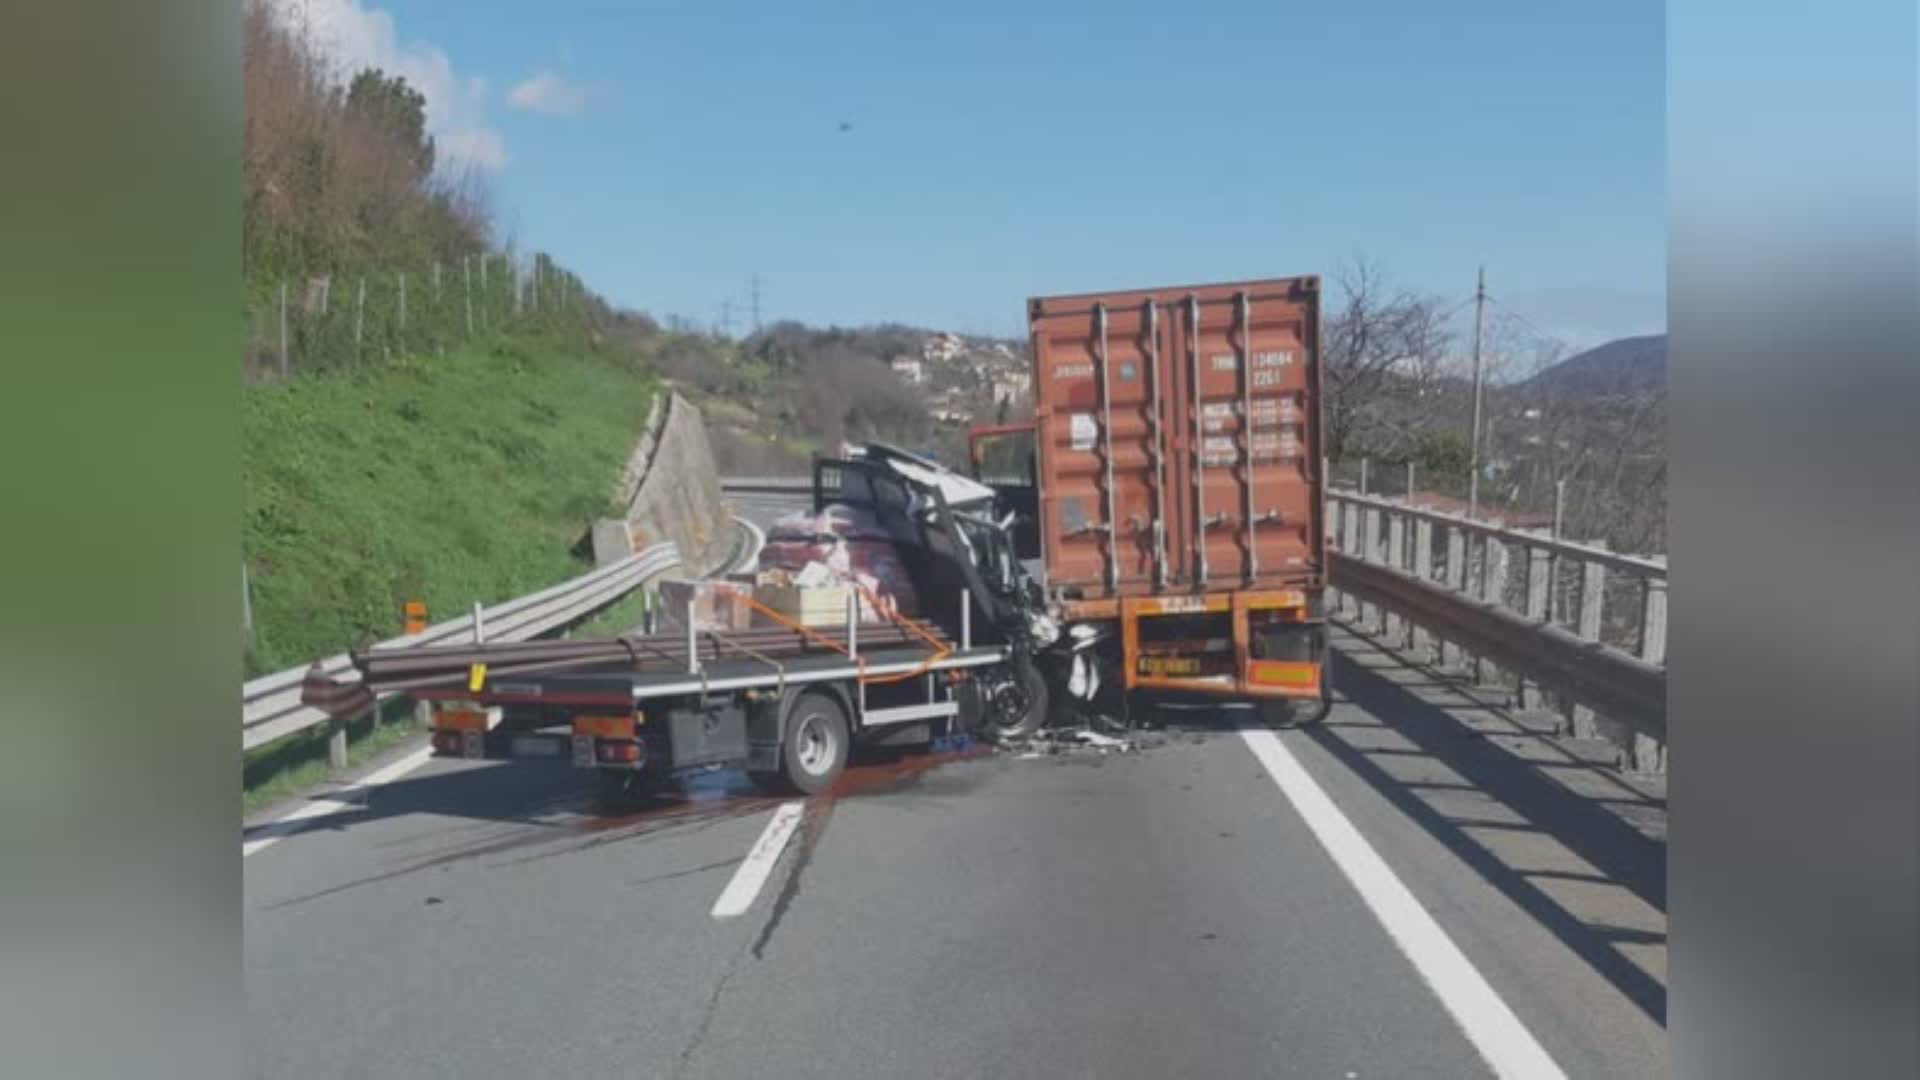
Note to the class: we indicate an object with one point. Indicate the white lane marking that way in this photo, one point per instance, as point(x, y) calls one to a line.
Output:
point(287, 825)
point(1494, 1030)
point(752, 873)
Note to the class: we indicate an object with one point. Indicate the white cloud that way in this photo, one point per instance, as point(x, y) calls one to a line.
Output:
point(481, 149)
point(548, 93)
point(356, 36)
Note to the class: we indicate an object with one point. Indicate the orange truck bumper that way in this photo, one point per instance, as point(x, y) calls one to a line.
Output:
point(1239, 674)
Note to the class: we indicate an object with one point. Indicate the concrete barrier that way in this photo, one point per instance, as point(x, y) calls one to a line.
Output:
point(671, 491)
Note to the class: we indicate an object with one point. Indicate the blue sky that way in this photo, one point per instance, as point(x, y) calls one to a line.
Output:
point(1003, 150)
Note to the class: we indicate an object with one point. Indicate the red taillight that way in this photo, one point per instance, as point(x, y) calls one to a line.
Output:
point(620, 753)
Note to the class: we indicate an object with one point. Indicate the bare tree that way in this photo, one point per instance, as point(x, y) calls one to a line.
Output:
point(1378, 342)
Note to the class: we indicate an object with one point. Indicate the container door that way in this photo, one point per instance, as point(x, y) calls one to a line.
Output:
point(1102, 430)
point(1242, 363)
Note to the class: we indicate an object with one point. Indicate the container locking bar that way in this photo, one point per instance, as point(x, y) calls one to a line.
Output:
point(1159, 447)
point(1199, 443)
point(1106, 448)
point(1246, 433)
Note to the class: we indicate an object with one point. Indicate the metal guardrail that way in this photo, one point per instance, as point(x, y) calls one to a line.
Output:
point(270, 705)
point(767, 485)
point(1382, 556)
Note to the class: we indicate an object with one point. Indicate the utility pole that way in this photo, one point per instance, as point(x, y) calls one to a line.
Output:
point(756, 303)
point(1473, 478)
point(726, 318)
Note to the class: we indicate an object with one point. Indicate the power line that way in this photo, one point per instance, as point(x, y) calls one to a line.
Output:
point(1529, 323)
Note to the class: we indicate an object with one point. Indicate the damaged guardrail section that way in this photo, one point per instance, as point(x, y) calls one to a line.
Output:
point(1440, 586)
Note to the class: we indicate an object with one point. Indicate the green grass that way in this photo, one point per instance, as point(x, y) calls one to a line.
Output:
point(472, 478)
point(616, 618)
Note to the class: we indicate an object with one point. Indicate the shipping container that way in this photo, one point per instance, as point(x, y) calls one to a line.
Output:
point(1174, 466)
point(1178, 438)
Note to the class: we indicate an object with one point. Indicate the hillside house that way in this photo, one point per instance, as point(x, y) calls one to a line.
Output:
point(909, 368)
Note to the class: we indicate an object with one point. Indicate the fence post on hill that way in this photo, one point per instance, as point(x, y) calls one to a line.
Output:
point(359, 318)
point(466, 288)
point(483, 292)
point(403, 310)
point(283, 329)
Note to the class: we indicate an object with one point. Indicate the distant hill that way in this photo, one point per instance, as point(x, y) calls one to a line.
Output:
point(1624, 366)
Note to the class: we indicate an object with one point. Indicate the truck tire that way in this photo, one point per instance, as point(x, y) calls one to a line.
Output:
point(1017, 706)
point(813, 748)
point(1292, 712)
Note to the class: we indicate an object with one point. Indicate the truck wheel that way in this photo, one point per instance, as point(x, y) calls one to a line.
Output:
point(814, 749)
point(1016, 706)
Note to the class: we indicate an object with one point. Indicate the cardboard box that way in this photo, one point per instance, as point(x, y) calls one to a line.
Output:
point(824, 605)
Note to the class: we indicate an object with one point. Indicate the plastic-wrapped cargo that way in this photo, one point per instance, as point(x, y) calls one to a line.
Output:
point(839, 544)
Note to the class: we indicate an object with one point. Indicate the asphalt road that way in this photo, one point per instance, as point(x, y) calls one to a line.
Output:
point(1168, 910)
point(1165, 911)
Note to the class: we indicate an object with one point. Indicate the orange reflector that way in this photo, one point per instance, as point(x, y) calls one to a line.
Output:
point(1282, 673)
point(1289, 598)
point(459, 720)
point(416, 615)
point(605, 727)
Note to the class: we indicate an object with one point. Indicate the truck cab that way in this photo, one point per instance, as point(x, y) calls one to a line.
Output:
point(1002, 457)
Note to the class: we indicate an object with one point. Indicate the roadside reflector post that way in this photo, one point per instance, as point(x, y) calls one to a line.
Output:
point(416, 617)
point(479, 625)
point(337, 743)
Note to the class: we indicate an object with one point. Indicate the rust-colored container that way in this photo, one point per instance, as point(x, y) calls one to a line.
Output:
point(1178, 438)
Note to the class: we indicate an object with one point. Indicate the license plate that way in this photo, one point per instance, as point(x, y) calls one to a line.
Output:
point(1170, 666)
point(534, 746)
point(583, 751)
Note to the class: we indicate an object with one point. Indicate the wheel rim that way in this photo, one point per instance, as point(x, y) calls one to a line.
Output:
point(814, 744)
point(1010, 705)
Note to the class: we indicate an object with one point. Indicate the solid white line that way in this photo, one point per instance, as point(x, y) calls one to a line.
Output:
point(752, 873)
point(1493, 1029)
point(289, 824)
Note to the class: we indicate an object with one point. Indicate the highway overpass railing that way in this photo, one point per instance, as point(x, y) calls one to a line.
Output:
point(1569, 625)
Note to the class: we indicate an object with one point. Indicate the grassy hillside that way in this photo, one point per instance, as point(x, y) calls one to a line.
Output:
point(455, 480)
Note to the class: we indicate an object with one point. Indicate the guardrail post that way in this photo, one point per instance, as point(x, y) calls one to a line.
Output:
point(1649, 754)
point(1653, 620)
point(479, 625)
point(1396, 627)
point(1373, 616)
point(1451, 656)
point(1422, 640)
point(1493, 590)
point(1350, 544)
point(1593, 598)
point(1539, 581)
